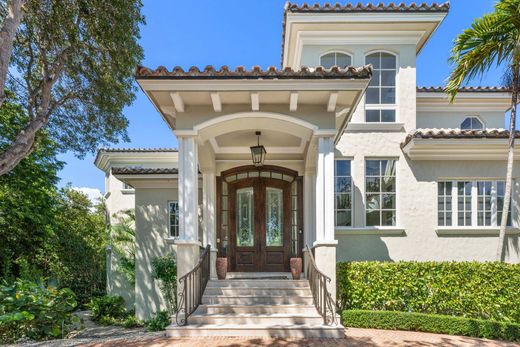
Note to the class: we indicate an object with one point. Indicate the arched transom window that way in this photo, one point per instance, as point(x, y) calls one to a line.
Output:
point(339, 59)
point(380, 96)
point(472, 123)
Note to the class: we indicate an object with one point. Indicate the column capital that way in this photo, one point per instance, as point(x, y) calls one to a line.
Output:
point(186, 133)
point(324, 133)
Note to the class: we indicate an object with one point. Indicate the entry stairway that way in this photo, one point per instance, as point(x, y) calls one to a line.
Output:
point(257, 307)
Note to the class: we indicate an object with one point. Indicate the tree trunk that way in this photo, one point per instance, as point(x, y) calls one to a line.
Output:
point(510, 159)
point(7, 35)
point(22, 145)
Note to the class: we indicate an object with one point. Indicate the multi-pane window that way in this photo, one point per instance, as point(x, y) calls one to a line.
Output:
point(444, 203)
point(339, 59)
point(470, 203)
point(471, 123)
point(380, 187)
point(173, 212)
point(381, 92)
point(343, 192)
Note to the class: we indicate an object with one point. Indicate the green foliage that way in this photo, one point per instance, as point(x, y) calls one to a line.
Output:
point(89, 50)
point(467, 289)
point(34, 310)
point(431, 323)
point(123, 243)
point(107, 307)
point(159, 322)
point(131, 321)
point(165, 271)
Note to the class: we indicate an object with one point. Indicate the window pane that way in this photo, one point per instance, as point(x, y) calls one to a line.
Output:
point(388, 116)
point(342, 167)
point(372, 168)
point(343, 218)
point(388, 218)
point(466, 124)
point(388, 95)
point(388, 61)
point(373, 95)
point(244, 206)
point(373, 184)
point(373, 201)
point(389, 201)
point(372, 218)
point(375, 81)
point(327, 61)
point(343, 184)
point(388, 78)
point(342, 60)
point(343, 201)
point(388, 167)
point(274, 218)
point(388, 184)
point(374, 60)
point(372, 115)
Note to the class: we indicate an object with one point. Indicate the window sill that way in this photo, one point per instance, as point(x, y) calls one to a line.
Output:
point(171, 240)
point(127, 191)
point(474, 231)
point(393, 127)
point(370, 231)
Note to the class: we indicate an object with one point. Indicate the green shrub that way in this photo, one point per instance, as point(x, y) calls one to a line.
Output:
point(439, 324)
point(466, 289)
point(159, 322)
point(34, 310)
point(107, 308)
point(165, 271)
point(131, 321)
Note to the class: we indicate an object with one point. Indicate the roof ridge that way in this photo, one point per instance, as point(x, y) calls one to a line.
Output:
point(256, 71)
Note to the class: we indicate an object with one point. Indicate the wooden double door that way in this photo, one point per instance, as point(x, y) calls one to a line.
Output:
point(259, 225)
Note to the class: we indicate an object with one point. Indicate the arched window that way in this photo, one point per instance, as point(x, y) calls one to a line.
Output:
point(380, 96)
point(339, 59)
point(471, 123)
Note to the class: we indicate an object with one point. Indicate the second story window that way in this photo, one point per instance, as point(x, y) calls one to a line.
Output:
point(380, 105)
point(339, 59)
point(472, 123)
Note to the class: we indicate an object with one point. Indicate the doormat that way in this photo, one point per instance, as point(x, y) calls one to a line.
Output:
point(262, 278)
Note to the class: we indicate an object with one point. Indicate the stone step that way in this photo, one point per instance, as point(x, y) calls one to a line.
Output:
point(280, 319)
point(257, 283)
point(258, 291)
point(258, 309)
point(259, 330)
point(257, 300)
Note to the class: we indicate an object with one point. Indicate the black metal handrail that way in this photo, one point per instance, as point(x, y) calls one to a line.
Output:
point(193, 285)
point(322, 298)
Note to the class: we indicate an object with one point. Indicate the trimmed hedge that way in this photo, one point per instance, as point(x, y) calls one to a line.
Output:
point(431, 323)
point(467, 289)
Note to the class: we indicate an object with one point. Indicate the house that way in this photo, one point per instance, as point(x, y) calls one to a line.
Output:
point(360, 163)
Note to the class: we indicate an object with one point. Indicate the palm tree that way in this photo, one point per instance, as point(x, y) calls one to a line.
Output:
point(493, 40)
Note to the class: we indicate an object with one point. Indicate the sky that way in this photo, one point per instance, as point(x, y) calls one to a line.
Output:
point(238, 32)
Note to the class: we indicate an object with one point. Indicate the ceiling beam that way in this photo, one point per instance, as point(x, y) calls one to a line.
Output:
point(293, 101)
point(177, 102)
point(255, 102)
point(217, 103)
point(333, 98)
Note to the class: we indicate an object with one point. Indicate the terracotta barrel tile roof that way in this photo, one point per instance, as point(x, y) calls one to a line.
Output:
point(455, 133)
point(478, 89)
point(138, 150)
point(360, 7)
point(143, 171)
point(256, 72)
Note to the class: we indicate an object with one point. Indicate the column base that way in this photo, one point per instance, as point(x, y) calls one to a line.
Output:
point(188, 254)
point(325, 257)
point(213, 264)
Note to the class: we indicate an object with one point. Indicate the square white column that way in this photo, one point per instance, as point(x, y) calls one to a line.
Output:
point(188, 189)
point(325, 190)
point(309, 215)
point(208, 215)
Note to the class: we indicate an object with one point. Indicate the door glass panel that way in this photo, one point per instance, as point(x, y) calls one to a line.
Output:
point(274, 217)
point(245, 217)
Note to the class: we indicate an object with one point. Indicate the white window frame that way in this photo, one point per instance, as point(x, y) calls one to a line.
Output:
point(335, 57)
point(350, 160)
point(396, 160)
point(476, 117)
point(474, 203)
point(170, 235)
point(380, 106)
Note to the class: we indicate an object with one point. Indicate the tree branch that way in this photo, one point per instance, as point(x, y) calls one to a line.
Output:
point(7, 36)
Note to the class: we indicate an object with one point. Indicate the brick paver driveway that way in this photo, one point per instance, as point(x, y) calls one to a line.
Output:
point(354, 338)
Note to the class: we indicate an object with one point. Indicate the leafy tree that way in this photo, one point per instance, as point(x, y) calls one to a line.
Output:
point(123, 243)
point(28, 197)
point(75, 61)
point(493, 40)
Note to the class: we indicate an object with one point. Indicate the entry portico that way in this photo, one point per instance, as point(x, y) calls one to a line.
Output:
point(255, 217)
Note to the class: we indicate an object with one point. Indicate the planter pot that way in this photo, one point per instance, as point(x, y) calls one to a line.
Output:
point(221, 268)
point(296, 268)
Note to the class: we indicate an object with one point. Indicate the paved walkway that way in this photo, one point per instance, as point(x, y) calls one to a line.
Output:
point(354, 338)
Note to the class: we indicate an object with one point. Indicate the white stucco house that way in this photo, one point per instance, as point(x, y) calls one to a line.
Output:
point(360, 162)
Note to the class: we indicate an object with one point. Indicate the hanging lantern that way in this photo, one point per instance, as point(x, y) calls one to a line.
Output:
point(258, 152)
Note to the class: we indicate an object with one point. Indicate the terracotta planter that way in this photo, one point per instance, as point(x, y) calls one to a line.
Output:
point(296, 268)
point(221, 268)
